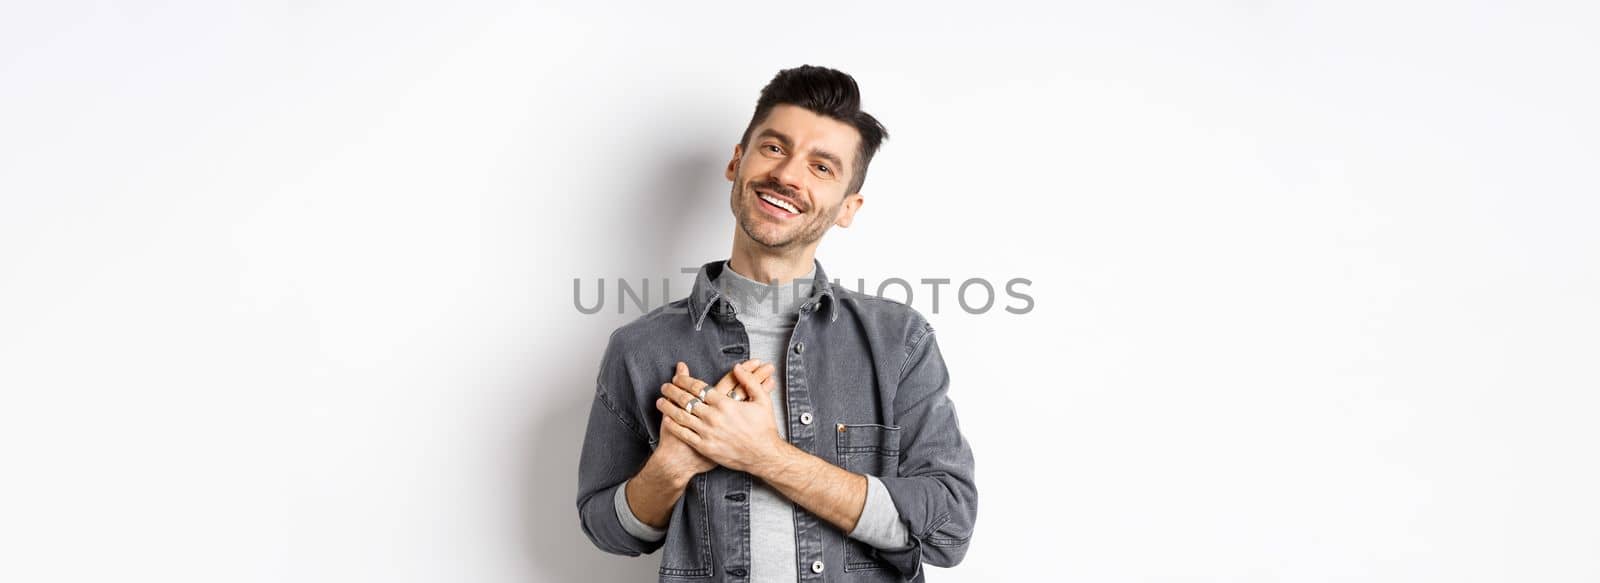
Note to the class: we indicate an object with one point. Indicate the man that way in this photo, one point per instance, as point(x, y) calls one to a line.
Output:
point(828, 450)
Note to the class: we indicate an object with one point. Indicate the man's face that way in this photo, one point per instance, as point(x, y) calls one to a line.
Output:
point(800, 160)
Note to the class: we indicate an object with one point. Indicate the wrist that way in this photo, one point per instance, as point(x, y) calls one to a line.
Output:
point(781, 458)
point(663, 473)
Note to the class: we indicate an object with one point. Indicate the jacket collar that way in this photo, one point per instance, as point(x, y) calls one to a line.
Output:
point(707, 297)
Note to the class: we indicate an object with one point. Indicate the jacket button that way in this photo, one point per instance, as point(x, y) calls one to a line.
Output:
point(799, 347)
point(737, 572)
point(816, 566)
point(805, 418)
point(736, 496)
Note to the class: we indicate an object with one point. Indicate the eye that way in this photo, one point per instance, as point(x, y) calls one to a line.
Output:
point(773, 148)
point(824, 168)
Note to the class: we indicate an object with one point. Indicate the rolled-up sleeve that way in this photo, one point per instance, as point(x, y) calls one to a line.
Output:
point(615, 446)
point(935, 491)
point(631, 522)
point(880, 524)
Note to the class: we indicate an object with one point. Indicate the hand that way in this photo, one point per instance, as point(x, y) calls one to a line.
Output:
point(676, 456)
point(734, 433)
point(728, 385)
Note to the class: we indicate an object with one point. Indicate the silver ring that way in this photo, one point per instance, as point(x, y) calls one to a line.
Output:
point(703, 391)
point(689, 407)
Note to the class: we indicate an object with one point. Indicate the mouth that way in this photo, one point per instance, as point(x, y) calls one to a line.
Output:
point(776, 205)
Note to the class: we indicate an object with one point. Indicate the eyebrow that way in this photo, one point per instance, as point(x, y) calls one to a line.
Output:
point(787, 143)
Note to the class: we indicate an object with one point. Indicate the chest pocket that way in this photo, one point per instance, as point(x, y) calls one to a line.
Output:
point(868, 448)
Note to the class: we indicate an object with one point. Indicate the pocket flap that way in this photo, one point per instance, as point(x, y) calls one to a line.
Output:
point(868, 438)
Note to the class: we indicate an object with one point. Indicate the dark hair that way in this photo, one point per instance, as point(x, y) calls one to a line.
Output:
point(826, 92)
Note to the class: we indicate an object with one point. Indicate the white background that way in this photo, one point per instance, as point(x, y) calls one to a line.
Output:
point(287, 288)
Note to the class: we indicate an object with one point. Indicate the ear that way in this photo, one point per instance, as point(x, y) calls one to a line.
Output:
point(847, 209)
point(732, 171)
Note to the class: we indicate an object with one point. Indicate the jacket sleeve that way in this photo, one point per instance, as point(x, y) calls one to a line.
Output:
point(935, 490)
point(615, 446)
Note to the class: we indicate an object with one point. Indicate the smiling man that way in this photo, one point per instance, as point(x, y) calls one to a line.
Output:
point(828, 449)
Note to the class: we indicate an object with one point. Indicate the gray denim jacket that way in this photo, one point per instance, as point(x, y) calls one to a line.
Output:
point(867, 391)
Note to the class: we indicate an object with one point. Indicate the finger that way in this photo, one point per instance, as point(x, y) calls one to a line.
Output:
point(683, 433)
point(713, 396)
point(688, 383)
point(672, 411)
point(764, 372)
point(749, 365)
point(738, 393)
point(678, 395)
point(730, 383)
point(729, 387)
point(727, 383)
point(681, 374)
point(681, 398)
point(751, 386)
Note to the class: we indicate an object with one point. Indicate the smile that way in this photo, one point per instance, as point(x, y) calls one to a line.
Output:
point(786, 206)
point(778, 203)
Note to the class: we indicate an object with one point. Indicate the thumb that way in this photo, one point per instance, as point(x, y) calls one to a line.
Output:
point(683, 369)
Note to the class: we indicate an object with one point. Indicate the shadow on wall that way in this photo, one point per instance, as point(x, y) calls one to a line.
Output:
point(667, 197)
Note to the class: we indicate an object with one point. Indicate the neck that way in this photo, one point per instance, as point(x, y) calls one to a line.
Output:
point(762, 264)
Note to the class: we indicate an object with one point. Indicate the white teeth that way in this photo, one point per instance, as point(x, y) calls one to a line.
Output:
point(778, 203)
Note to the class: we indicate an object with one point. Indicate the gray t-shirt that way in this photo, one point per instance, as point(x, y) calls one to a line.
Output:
point(768, 314)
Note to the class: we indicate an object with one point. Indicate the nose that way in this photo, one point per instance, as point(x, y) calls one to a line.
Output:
point(788, 173)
